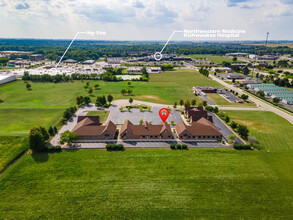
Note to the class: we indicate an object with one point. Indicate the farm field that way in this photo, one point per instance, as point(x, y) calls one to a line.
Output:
point(19, 121)
point(219, 100)
point(149, 184)
point(272, 131)
point(165, 88)
point(10, 148)
point(103, 115)
point(216, 59)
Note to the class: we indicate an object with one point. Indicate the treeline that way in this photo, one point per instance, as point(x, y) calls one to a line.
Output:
point(83, 50)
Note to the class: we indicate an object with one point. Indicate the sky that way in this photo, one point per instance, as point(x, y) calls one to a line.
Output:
point(145, 19)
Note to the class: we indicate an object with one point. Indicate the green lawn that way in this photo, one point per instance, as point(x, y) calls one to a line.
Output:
point(18, 121)
point(219, 100)
point(103, 115)
point(10, 148)
point(272, 131)
point(215, 58)
point(165, 88)
point(149, 184)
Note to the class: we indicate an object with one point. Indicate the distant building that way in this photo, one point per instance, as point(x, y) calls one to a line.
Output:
point(221, 69)
point(196, 113)
point(154, 70)
point(235, 76)
point(47, 67)
point(134, 69)
point(236, 54)
point(145, 131)
point(88, 128)
point(6, 78)
point(249, 81)
point(70, 61)
point(202, 129)
point(36, 57)
point(114, 60)
point(88, 62)
point(197, 90)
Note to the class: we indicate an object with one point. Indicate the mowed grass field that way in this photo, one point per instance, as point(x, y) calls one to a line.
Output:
point(215, 58)
point(102, 114)
point(19, 121)
point(272, 131)
point(149, 184)
point(10, 148)
point(165, 88)
point(219, 100)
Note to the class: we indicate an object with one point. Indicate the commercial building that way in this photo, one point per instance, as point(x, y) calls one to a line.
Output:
point(196, 113)
point(221, 69)
point(134, 69)
point(114, 60)
point(154, 70)
point(88, 62)
point(145, 131)
point(6, 78)
point(88, 128)
point(202, 129)
point(36, 57)
point(70, 61)
point(198, 90)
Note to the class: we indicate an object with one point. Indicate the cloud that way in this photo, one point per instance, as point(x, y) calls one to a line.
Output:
point(137, 4)
point(22, 6)
point(235, 3)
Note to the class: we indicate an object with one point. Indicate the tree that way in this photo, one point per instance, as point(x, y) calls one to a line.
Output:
point(204, 103)
point(232, 137)
point(244, 97)
point(234, 59)
point(187, 104)
point(128, 108)
point(79, 100)
point(96, 86)
point(68, 137)
point(130, 101)
point(67, 114)
point(227, 119)
point(90, 91)
point(28, 86)
point(121, 109)
point(149, 108)
point(181, 103)
point(110, 98)
point(261, 93)
point(140, 121)
point(243, 131)
point(4, 61)
point(216, 110)
point(193, 102)
point(87, 100)
point(175, 105)
point(200, 104)
point(128, 83)
point(45, 133)
point(36, 140)
point(51, 131)
point(123, 91)
point(252, 140)
point(129, 91)
point(100, 101)
point(55, 130)
point(233, 125)
point(245, 71)
point(276, 100)
point(172, 123)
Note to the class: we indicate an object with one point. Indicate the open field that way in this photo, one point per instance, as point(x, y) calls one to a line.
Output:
point(10, 148)
point(290, 45)
point(219, 100)
point(103, 115)
point(272, 131)
point(216, 59)
point(19, 121)
point(165, 88)
point(149, 184)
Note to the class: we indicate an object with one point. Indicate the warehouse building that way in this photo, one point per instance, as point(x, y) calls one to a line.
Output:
point(6, 78)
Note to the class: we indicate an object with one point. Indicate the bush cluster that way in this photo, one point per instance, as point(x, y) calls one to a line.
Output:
point(242, 147)
point(115, 147)
point(53, 149)
point(178, 147)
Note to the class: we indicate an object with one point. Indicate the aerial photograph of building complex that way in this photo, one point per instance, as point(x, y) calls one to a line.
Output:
point(144, 109)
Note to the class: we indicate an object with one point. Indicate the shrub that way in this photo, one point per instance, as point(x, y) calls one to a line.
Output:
point(172, 146)
point(53, 149)
point(120, 147)
point(178, 146)
point(57, 148)
point(114, 147)
point(242, 147)
point(109, 147)
point(184, 146)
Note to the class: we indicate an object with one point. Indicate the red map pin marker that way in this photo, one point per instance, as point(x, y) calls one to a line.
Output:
point(164, 114)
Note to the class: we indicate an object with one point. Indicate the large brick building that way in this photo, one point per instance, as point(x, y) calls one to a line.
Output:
point(88, 128)
point(196, 113)
point(202, 129)
point(145, 131)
